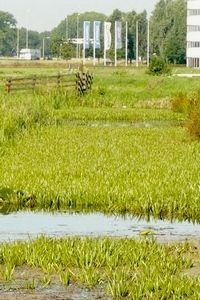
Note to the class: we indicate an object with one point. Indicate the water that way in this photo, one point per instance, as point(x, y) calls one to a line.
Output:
point(124, 124)
point(25, 225)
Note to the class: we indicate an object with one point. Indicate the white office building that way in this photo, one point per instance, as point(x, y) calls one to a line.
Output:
point(193, 33)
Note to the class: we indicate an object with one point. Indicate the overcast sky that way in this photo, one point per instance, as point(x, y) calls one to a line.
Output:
point(41, 15)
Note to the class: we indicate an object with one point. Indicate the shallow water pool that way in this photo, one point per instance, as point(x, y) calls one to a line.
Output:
point(25, 225)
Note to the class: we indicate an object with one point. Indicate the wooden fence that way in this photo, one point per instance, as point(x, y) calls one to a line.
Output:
point(84, 82)
point(81, 82)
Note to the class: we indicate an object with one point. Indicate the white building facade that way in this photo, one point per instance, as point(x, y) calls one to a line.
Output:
point(193, 33)
point(30, 54)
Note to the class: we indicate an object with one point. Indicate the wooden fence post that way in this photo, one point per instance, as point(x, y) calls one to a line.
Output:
point(83, 82)
point(79, 84)
point(8, 85)
point(88, 80)
point(58, 80)
point(34, 82)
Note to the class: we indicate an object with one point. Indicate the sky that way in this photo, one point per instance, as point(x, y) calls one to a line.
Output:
point(42, 15)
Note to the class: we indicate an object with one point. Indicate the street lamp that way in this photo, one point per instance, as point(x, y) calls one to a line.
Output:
point(17, 42)
point(77, 35)
point(126, 43)
point(27, 13)
point(26, 38)
point(148, 42)
point(137, 53)
point(43, 53)
point(66, 21)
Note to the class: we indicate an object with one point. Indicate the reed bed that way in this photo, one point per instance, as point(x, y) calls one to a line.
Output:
point(101, 152)
point(125, 269)
point(70, 152)
point(141, 171)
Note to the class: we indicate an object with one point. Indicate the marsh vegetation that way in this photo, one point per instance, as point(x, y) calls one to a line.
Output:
point(60, 152)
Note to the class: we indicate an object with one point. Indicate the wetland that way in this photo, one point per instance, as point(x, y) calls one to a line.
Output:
point(106, 186)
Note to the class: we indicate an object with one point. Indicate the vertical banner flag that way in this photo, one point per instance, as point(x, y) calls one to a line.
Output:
point(107, 35)
point(97, 25)
point(86, 33)
point(118, 33)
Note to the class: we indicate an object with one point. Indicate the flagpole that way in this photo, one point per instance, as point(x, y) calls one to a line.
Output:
point(148, 39)
point(94, 41)
point(84, 40)
point(104, 56)
point(126, 45)
point(115, 43)
point(136, 43)
point(17, 42)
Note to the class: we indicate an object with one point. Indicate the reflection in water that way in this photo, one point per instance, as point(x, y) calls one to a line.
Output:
point(129, 124)
point(24, 225)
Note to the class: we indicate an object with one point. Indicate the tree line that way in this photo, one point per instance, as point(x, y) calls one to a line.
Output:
point(167, 31)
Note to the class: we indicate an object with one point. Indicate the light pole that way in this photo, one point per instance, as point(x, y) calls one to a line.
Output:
point(148, 44)
point(17, 42)
point(66, 23)
point(27, 16)
point(26, 38)
point(137, 54)
point(126, 44)
point(43, 53)
point(77, 35)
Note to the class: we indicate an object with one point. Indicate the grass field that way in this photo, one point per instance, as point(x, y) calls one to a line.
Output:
point(119, 149)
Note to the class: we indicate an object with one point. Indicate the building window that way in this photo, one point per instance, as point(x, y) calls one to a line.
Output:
point(193, 12)
point(193, 62)
point(193, 44)
point(193, 28)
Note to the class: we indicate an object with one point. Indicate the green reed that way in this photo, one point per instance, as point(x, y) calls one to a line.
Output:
point(124, 268)
point(92, 160)
point(142, 171)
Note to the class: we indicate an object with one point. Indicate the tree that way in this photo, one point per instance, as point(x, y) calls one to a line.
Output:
point(131, 19)
point(168, 30)
point(67, 50)
point(142, 34)
point(67, 28)
point(175, 44)
point(7, 34)
point(141, 18)
point(56, 44)
point(116, 15)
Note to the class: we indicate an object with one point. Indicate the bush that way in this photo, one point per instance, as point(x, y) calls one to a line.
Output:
point(181, 103)
point(189, 105)
point(193, 120)
point(158, 66)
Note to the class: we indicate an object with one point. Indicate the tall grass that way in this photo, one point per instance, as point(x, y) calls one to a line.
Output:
point(142, 171)
point(124, 268)
point(50, 153)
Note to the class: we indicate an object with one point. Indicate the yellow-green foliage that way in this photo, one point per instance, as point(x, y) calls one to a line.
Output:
point(158, 66)
point(143, 171)
point(124, 268)
point(193, 120)
point(181, 103)
point(189, 104)
point(94, 156)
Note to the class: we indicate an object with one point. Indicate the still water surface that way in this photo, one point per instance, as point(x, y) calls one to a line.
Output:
point(25, 225)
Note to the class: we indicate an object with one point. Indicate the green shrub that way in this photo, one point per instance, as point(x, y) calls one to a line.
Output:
point(181, 103)
point(190, 106)
point(193, 120)
point(158, 66)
